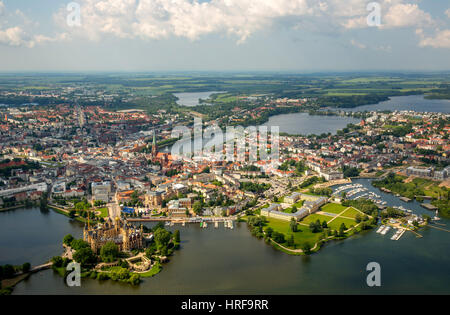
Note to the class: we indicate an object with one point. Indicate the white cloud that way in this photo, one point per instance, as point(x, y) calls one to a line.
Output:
point(158, 19)
point(406, 15)
point(440, 40)
point(14, 36)
point(155, 19)
point(448, 13)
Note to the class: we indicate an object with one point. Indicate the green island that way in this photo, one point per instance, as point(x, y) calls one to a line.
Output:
point(125, 266)
point(106, 262)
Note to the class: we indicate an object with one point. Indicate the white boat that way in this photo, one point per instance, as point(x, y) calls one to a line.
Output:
point(381, 228)
point(386, 229)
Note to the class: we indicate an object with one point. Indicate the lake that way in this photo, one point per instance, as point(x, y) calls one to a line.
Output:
point(223, 261)
point(31, 235)
point(192, 99)
point(416, 103)
point(306, 124)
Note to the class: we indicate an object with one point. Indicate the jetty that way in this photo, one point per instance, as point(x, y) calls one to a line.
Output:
point(398, 234)
point(429, 206)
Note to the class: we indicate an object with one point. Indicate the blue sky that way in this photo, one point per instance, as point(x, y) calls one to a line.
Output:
point(233, 35)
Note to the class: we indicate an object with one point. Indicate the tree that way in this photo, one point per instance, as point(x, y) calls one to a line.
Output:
point(26, 267)
point(290, 241)
point(134, 279)
point(68, 239)
point(162, 238)
point(269, 232)
point(79, 244)
point(342, 229)
point(176, 236)
point(57, 261)
point(306, 247)
point(85, 256)
point(8, 271)
point(278, 237)
point(197, 207)
point(293, 225)
point(109, 252)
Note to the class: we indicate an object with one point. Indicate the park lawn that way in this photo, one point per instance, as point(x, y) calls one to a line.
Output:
point(333, 208)
point(104, 212)
point(314, 217)
point(352, 212)
point(303, 235)
point(336, 223)
point(156, 268)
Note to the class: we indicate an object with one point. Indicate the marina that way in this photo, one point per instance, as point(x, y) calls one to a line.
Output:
point(398, 234)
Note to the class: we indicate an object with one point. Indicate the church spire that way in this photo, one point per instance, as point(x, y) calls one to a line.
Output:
point(154, 146)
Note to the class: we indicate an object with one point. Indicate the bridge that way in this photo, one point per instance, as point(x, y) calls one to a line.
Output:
point(41, 267)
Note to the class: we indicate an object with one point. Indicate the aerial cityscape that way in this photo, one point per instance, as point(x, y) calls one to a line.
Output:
point(224, 175)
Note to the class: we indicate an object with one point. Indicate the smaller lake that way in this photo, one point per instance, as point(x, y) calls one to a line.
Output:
point(416, 103)
point(192, 99)
point(34, 236)
point(306, 124)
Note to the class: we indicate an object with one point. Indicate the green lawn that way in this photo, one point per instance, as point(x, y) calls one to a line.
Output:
point(336, 223)
point(153, 271)
point(302, 236)
point(104, 212)
point(333, 208)
point(351, 213)
point(314, 217)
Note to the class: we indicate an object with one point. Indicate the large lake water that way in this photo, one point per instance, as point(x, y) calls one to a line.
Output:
point(192, 98)
point(219, 261)
point(411, 102)
point(306, 124)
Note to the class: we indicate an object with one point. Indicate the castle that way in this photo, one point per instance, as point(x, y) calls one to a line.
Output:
point(123, 234)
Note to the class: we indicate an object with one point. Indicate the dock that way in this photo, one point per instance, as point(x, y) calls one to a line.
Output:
point(429, 206)
point(381, 228)
point(385, 230)
point(398, 234)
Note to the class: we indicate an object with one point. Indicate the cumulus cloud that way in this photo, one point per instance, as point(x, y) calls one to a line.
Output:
point(406, 15)
point(155, 19)
point(13, 36)
point(239, 19)
point(441, 39)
